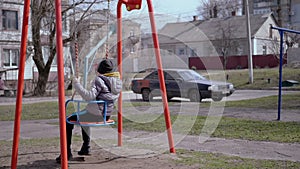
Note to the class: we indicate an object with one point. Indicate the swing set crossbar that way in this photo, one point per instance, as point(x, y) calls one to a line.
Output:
point(78, 112)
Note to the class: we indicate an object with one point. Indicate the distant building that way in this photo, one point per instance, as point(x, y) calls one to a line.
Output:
point(10, 40)
point(227, 35)
point(295, 15)
point(286, 12)
point(11, 18)
point(217, 37)
point(95, 33)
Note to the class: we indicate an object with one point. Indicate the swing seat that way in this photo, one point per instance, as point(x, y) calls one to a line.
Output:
point(78, 113)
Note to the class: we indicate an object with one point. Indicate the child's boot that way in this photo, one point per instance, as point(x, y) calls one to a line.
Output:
point(69, 155)
point(85, 148)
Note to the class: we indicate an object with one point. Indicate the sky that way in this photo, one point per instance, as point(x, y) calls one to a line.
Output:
point(177, 8)
point(165, 11)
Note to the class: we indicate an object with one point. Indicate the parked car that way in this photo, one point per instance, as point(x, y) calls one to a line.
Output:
point(182, 83)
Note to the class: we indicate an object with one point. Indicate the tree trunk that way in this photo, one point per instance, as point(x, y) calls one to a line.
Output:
point(43, 71)
point(40, 88)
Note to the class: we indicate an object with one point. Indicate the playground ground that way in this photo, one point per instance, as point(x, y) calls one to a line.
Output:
point(42, 155)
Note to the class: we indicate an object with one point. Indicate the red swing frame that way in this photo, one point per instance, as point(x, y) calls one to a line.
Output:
point(130, 4)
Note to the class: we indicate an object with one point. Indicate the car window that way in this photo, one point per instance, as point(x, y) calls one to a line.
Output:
point(174, 75)
point(168, 76)
point(191, 75)
point(153, 75)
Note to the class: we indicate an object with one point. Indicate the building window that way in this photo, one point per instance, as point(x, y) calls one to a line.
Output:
point(170, 50)
point(131, 34)
point(9, 20)
point(65, 22)
point(264, 50)
point(181, 51)
point(193, 52)
point(270, 33)
point(10, 57)
point(132, 49)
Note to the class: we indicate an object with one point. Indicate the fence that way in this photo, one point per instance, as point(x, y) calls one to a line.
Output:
point(235, 62)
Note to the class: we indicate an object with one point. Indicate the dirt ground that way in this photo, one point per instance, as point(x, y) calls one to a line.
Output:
point(43, 158)
point(143, 154)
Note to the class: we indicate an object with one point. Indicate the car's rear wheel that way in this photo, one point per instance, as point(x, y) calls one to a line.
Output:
point(146, 95)
point(195, 96)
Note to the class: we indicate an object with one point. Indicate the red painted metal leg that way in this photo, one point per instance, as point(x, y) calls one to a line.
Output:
point(18, 111)
point(61, 91)
point(119, 45)
point(161, 77)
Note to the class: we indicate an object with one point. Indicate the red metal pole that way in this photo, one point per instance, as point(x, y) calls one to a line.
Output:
point(61, 90)
point(161, 77)
point(18, 111)
point(119, 46)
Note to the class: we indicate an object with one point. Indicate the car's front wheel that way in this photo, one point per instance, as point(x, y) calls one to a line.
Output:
point(217, 99)
point(146, 95)
point(195, 96)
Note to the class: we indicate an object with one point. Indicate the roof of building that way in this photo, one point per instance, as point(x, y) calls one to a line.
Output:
point(212, 29)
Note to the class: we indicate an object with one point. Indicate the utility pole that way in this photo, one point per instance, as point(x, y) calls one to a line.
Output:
point(250, 65)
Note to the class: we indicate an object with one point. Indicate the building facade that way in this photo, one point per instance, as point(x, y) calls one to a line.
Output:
point(286, 12)
point(220, 37)
point(10, 37)
point(11, 18)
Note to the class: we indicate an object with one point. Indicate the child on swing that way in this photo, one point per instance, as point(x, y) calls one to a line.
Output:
point(106, 86)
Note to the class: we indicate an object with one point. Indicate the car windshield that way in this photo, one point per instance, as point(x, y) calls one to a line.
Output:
point(191, 75)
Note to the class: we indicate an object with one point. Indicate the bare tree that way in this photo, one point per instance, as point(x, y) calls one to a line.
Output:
point(43, 20)
point(225, 45)
point(292, 39)
point(218, 8)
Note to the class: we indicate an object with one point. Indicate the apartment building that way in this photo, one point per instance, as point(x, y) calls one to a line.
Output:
point(11, 18)
point(286, 12)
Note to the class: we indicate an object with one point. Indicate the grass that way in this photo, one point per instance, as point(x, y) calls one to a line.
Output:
point(43, 110)
point(258, 130)
point(214, 161)
point(34, 111)
point(288, 101)
point(232, 128)
point(240, 78)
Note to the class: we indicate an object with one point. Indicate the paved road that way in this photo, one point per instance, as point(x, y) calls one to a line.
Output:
point(252, 94)
point(128, 95)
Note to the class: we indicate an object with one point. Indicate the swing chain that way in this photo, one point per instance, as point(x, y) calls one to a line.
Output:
point(76, 48)
point(107, 29)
